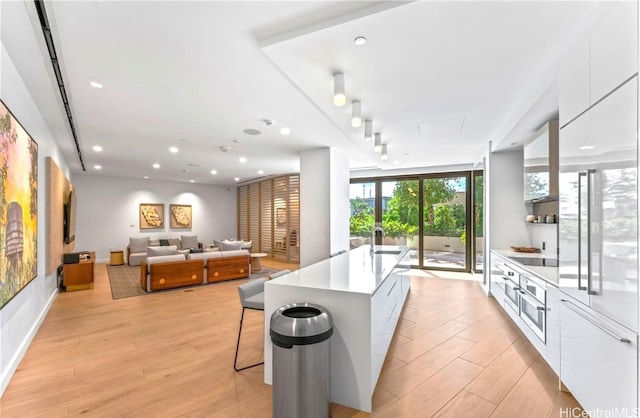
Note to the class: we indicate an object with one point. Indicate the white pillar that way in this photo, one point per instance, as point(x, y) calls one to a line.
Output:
point(324, 204)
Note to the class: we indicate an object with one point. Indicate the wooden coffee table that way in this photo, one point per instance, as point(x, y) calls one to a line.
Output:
point(256, 263)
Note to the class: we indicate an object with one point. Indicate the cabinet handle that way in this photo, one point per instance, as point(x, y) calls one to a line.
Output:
point(391, 290)
point(590, 179)
point(580, 176)
point(575, 310)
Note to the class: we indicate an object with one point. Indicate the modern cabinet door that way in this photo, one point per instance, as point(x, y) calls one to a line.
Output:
point(598, 359)
point(614, 49)
point(552, 350)
point(574, 81)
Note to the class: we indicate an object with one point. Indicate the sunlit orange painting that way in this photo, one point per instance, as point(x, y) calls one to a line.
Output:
point(18, 207)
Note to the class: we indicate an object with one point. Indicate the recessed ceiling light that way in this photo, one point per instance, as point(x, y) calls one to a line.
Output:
point(146, 177)
point(261, 172)
point(237, 179)
point(235, 141)
point(587, 147)
point(396, 162)
point(173, 150)
point(156, 165)
point(360, 40)
point(242, 159)
point(97, 148)
point(97, 167)
point(214, 172)
point(252, 132)
point(513, 143)
point(285, 131)
point(191, 181)
point(95, 84)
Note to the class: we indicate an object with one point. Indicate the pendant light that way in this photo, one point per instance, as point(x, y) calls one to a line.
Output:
point(377, 142)
point(339, 95)
point(368, 130)
point(384, 155)
point(356, 114)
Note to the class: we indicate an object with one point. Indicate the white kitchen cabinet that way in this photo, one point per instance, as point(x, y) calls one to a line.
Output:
point(599, 359)
point(614, 49)
point(574, 81)
point(365, 293)
point(607, 58)
point(552, 350)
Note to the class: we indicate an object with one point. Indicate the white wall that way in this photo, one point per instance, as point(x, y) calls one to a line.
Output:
point(21, 317)
point(108, 211)
point(506, 194)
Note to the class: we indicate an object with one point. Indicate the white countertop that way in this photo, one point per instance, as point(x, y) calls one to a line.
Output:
point(355, 271)
point(549, 274)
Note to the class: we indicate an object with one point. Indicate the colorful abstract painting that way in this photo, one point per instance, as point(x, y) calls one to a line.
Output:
point(18, 207)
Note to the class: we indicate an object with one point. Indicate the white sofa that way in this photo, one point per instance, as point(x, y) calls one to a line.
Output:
point(138, 246)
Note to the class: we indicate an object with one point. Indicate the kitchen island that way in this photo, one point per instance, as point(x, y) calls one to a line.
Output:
point(365, 293)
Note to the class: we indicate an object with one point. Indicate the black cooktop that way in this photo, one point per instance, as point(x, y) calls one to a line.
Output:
point(531, 261)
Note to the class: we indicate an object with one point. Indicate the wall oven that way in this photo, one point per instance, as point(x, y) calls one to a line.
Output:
point(508, 282)
point(533, 305)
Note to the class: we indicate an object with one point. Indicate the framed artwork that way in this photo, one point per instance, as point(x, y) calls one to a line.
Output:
point(180, 216)
point(281, 216)
point(18, 206)
point(151, 215)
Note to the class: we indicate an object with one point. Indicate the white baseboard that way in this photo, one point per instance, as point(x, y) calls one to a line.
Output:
point(17, 357)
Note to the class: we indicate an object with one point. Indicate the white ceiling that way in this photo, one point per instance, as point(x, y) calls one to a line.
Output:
point(196, 74)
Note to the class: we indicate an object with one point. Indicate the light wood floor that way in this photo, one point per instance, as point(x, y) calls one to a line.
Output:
point(455, 354)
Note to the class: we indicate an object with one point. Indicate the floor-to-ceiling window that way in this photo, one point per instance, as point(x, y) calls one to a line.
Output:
point(438, 216)
point(362, 212)
point(478, 220)
point(445, 220)
point(400, 211)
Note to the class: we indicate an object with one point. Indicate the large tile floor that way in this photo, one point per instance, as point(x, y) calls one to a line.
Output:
point(455, 354)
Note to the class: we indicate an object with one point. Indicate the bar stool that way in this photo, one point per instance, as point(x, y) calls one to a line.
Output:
point(251, 297)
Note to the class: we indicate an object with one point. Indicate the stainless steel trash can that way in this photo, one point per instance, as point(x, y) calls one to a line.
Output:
point(300, 335)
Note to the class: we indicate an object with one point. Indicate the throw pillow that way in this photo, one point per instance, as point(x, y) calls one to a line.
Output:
point(189, 241)
point(138, 245)
point(230, 245)
point(166, 250)
point(164, 242)
point(174, 241)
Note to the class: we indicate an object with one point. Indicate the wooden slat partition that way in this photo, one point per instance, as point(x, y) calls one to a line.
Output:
point(269, 215)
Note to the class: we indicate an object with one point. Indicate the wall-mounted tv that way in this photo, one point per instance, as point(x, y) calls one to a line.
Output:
point(69, 221)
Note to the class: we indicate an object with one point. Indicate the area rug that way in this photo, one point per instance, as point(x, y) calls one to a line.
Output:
point(125, 281)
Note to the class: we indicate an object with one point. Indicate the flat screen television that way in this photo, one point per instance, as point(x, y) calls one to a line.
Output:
point(69, 221)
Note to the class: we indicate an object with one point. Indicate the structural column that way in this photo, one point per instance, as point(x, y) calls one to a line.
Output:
point(324, 204)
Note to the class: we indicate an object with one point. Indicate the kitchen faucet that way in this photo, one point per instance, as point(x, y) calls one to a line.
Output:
point(373, 236)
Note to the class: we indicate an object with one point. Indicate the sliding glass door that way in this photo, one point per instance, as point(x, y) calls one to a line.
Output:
point(445, 220)
point(438, 216)
point(362, 198)
point(400, 212)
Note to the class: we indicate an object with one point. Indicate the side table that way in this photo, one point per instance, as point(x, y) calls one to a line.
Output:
point(256, 263)
point(116, 258)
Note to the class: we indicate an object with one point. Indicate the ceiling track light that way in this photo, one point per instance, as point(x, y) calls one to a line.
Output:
point(339, 95)
point(368, 130)
point(356, 114)
point(377, 142)
point(384, 155)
